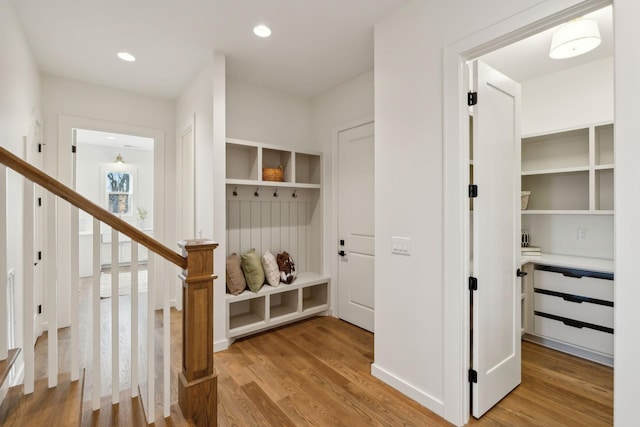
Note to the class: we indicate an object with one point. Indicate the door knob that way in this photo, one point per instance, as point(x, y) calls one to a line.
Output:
point(521, 273)
point(342, 253)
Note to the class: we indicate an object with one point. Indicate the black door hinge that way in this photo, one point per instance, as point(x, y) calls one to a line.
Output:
point(473, 284)
point(473, 376)
point(39, 308)
point(472, 98)
point(473, 191)
point(39, 201)
point(39, 255)
point(73, 149)
point(39, 148)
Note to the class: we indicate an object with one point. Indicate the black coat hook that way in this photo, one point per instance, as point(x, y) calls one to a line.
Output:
point(275, 193)
point(294, 195)
point(235, 191)
point(257, 192)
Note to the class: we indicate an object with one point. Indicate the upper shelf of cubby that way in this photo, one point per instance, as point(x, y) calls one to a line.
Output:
point(246, 160)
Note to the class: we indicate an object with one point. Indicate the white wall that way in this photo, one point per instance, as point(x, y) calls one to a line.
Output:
point(350, 101)
point(576, 97)
point(65, 100)
point(571, 98)
point(627, 233)
point(204, 97)
point(19, 107)
point(92, 160)
point(409, 98)
point(260, 114)
point(197, 100)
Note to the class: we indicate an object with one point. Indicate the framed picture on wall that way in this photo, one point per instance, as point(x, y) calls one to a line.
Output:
point(118, 187)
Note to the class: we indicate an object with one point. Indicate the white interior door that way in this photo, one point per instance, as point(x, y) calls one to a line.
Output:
point(496, 231)
point(356, 225)
point(34, 155)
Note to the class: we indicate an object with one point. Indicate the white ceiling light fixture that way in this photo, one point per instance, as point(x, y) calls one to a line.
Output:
point(262, 30)
point(575, 38)
point(126, 56)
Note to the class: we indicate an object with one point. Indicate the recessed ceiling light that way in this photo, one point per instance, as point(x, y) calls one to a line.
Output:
point(262, 30)
point(111, 137)
point(126, 56)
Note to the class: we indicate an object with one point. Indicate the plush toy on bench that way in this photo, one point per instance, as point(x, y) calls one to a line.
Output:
point(287, 267)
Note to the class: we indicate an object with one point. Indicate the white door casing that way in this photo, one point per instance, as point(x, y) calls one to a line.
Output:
point(356, 225)
point(496, 223)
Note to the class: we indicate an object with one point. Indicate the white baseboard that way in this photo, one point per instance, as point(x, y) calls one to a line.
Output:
point(408, 390)
point(220, 345)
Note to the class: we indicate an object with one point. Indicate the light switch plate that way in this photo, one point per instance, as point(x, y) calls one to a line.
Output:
point(401, 245)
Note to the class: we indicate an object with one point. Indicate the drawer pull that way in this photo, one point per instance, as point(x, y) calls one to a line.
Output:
point(573, 324)
point(574, 272)
point(572, 298)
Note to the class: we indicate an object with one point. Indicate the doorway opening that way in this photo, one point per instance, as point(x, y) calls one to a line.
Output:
point(115, 171)
point(567, 175)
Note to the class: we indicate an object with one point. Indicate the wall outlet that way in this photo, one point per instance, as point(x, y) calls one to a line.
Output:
point(401, 245)
point(581, 234)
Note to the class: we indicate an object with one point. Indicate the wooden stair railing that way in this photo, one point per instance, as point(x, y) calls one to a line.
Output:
point(197, 393)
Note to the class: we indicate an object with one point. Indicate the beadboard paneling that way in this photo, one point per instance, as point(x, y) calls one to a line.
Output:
point(269, 223)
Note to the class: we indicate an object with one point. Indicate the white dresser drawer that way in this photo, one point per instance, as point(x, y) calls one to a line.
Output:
point(583, 311)
point(587, 338)
point(585, 286)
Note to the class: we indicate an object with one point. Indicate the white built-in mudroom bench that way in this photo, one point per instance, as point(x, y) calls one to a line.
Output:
point(275, 216)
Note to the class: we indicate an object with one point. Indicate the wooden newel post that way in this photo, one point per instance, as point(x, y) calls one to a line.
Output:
point(198, 383)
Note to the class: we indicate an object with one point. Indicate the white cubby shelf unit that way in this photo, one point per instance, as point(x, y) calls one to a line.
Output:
point(569, 172)
point(275, 217)
point(245, 160)
point(251, 312)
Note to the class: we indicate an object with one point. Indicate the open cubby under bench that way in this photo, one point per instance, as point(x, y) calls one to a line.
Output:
point(252, 312)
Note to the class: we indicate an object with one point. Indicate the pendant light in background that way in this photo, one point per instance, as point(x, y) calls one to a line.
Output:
point(575, 38)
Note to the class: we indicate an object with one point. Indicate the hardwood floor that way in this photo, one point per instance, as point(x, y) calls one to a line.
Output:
point(317, 373)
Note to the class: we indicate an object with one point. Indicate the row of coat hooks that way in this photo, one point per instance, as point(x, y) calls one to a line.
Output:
point(257, 193)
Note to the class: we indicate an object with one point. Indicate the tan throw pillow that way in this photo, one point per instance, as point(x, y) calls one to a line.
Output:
point(252, 268)
point(271, 270)
point(235, 279)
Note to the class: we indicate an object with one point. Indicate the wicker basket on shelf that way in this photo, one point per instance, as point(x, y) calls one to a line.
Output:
point(273, 174)
point(524, 200)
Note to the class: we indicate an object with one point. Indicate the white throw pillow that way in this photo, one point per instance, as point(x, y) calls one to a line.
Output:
point(271, 271)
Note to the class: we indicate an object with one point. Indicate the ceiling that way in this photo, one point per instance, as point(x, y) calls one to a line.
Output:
point(114, 140)
point(529, 58)
point(315, 46)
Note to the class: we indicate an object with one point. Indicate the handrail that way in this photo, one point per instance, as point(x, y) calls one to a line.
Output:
point(56, 187)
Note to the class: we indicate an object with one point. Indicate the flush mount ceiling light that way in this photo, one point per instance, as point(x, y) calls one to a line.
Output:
point(126, 56)
point(262, 30)
point(119, 159)
point(574, 38)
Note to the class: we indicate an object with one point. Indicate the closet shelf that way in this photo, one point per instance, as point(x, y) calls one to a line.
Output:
point(567, 212)
point(556, 171)
point(260, 183)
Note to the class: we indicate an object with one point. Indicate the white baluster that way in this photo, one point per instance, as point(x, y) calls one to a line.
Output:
point(134, 319)
point(52, 288)
point(4, 270)
point(75, 295)
point(166, 348)
point(95, 298)
point(151, 360)
point(28, 340)
point(115, 319)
